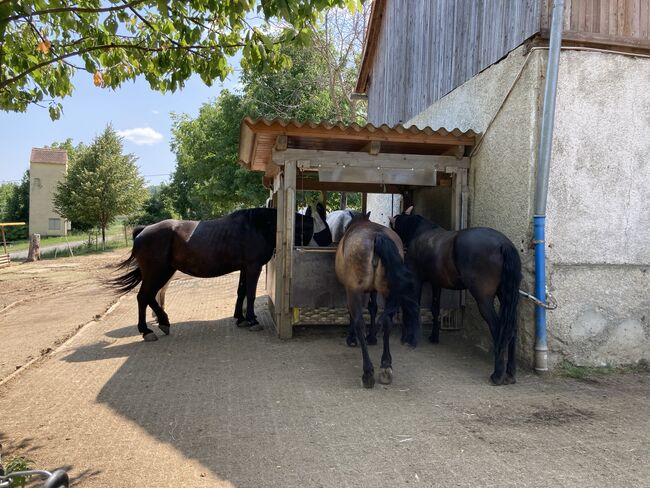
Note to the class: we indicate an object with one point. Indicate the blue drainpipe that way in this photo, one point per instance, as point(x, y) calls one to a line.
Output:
point(541, 189)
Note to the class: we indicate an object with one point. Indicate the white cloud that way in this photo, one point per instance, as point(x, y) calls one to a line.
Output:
point(141, 135)
point(155, 112)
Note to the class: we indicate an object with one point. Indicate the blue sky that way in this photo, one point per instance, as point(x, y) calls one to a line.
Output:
point(85, 115)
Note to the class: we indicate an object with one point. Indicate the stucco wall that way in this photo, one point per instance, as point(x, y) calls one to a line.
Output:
point(502, 167)
point(43, 180)
point(598, 218)
point(598, 214)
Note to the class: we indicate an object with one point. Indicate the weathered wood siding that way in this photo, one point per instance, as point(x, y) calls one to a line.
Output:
point(624, 23)
point(427, 48)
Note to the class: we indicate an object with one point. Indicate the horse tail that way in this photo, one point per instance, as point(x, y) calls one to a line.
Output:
point(509, 288)
point(130, 280)
point(401, 283)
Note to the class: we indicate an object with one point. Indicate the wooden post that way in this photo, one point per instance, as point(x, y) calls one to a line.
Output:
point(4, 241)
point(34, 248)
point(285, 323)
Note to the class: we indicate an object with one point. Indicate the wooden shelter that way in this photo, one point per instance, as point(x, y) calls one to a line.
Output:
point(294, 157)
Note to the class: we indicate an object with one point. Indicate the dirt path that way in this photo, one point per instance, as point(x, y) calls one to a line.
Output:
point(43, 303)
point(217, 406)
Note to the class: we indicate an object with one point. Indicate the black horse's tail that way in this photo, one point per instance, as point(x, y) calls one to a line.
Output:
point(130, 280)
point(401, 283)
point(510, 281)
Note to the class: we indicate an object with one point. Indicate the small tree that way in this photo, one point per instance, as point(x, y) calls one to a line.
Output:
point(101, 184)
point(17, 205)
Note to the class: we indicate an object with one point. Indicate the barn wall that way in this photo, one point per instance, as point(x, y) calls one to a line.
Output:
point(426, 49)
point(502, 168)
point(598, 208)
point(598, 218)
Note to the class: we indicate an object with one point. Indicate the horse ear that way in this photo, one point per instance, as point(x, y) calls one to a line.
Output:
point(392, 222)
point(308, 211)
point(409, 210)
point(368, 215)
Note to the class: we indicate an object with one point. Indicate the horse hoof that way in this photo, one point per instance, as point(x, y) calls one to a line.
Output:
point(351, 341)
point(386, 376)
point(243, 323)
point(368, 381)
point(164, 328)
point(371, 341)
point(149, 337)
point(497, 380)
point(255, 327)
point(509, 379)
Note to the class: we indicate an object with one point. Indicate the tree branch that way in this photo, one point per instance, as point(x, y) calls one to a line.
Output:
point(136, 47)
point(85, 10)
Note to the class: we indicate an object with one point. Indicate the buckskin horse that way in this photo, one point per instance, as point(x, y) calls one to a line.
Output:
point(481, 260)
point(241, 241)
point(369, 258)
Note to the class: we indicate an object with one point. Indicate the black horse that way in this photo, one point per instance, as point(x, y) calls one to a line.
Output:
point(241, 241)
point(481, 260)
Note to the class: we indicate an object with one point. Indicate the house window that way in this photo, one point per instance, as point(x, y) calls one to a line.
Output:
point(54, 224)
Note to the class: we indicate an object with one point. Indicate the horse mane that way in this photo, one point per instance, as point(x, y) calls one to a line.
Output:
point(408, 226)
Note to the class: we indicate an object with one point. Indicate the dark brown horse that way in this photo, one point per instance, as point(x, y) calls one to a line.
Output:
point(241, 241)
point(369, 258)
point(481, 260)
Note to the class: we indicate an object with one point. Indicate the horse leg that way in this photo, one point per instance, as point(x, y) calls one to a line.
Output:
point(410, 337)
point(239, 304)
point(435, 313)
point(355, 307)
point(158, 310)
point(486, 308)
point(152, 282)
point(511, 365)
point(351, 339)
point(252, 276)
point(371, 338)
point(386, 319)
point(160, 298)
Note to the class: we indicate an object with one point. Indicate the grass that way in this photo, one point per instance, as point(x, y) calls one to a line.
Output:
point(114, 230)
point(86, 250)
point(570, 370)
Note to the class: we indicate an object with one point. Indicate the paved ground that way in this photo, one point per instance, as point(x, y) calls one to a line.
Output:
point(213, 405)
point(63, 249)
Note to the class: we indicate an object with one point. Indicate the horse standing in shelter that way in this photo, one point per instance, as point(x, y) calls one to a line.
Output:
point(481, 260)
point(369, 258)
point(241, 241)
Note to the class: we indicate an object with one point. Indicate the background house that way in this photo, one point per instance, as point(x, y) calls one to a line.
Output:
point(480, 65)
point(47, 167)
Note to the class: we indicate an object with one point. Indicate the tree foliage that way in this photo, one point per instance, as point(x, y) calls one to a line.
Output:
point(16, 207)
point(159, 206)
point(43, 43)
point(208, 181)
point(101, 184)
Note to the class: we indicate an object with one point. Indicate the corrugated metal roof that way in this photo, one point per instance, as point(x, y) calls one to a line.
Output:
point(47, 155)
point(258, 138)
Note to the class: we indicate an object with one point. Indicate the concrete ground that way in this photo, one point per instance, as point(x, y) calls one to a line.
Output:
point(213, 405)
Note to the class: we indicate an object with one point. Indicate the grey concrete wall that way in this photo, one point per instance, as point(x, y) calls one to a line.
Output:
point(598, 214)
point(598, 218)
point(502, 102)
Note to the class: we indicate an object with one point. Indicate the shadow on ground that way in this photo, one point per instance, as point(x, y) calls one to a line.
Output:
point(260, 412)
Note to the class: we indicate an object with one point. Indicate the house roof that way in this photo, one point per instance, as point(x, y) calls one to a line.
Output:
point(259, 137)
point(47, 155)
point(370, 43)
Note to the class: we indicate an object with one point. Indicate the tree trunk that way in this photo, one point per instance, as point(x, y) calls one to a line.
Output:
point(103, 237)
point(34, 248)
point(344, 201)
